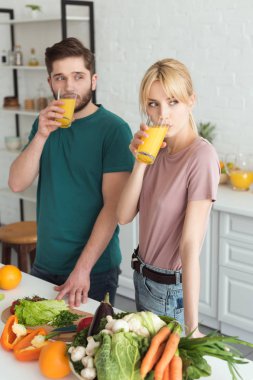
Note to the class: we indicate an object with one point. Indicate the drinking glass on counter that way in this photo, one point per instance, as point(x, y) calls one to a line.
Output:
point(69, 99)
point(156, 132)
point(239, 168)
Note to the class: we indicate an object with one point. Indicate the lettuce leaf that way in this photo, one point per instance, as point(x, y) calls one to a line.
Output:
point(119, 356)
point(38, 313)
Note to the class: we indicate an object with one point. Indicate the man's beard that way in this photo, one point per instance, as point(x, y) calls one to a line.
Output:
point(84, 101)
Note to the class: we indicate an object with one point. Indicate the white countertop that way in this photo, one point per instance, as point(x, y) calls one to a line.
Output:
point(29, 286)
point(237, 202)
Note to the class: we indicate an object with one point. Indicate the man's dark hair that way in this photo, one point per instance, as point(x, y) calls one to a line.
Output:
point(69, 47)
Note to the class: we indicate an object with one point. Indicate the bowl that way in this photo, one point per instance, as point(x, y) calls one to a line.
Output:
point(12, 143)
point(223, 178)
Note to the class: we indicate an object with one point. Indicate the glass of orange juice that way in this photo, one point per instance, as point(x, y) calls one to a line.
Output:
point(69, 99)
point(156, 132)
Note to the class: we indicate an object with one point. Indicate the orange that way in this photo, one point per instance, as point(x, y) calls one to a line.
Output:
point(53, 360)
point(10, 277)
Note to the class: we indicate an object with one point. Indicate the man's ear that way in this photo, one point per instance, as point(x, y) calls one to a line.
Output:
point(94, 82)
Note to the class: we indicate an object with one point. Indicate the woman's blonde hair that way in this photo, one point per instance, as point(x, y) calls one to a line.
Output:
point(175, 80)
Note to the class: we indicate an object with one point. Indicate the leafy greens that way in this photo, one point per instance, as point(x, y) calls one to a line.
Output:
point(119, 356)
point(38, 313)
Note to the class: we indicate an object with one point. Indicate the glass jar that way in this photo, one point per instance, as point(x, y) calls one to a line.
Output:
point(18, 56)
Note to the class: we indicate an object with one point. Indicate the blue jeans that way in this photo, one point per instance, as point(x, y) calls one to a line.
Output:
point(161, 299)
point(100, 283)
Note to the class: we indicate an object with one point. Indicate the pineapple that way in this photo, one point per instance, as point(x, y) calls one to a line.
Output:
point(206, 130)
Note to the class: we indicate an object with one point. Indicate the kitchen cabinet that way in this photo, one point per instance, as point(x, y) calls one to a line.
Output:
point(208, 308)
point(227, 266)
point(76, 19)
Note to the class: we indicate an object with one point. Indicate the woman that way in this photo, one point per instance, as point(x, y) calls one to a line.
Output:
point(173, 198)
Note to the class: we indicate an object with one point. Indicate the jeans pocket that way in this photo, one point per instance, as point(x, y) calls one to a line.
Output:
point(155, 290)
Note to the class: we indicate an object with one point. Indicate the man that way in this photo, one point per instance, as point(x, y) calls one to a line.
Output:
point(82, 170)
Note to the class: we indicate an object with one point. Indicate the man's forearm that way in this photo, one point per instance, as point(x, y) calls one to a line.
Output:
point(25, 168)
point(100, 237)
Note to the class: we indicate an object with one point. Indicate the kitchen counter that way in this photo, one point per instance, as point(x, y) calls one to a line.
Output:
point(30, 286)
point(237, 202)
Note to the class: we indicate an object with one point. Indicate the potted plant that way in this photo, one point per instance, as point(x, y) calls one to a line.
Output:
point(207, 131)
point(34, 9)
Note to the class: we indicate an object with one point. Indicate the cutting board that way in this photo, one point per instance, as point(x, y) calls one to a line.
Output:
point(66, 337)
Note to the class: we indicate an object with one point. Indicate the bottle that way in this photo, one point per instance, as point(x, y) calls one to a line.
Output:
point(18, 56)
point(33, 61)
point(42, 100)
point(4, 59)
point(11, 57)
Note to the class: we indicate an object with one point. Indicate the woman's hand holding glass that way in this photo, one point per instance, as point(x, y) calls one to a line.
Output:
point(147, 142)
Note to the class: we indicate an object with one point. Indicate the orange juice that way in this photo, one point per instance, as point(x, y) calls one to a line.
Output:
point(69, 107)
point(148, 151)
point(240, 179)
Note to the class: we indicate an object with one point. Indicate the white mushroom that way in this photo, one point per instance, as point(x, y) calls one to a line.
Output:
point(91, 346)
point(110, 322)
point(89, 373)
point(77, 354)
point(88, 362)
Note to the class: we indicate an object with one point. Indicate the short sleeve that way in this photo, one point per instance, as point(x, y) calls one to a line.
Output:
point(116, 154)
point(203, 174)
point(32, 133)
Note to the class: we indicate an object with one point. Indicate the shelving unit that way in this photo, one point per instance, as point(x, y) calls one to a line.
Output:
point(65, 20)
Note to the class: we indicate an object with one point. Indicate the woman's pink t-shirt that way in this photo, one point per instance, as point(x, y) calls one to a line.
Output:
point(169, 184)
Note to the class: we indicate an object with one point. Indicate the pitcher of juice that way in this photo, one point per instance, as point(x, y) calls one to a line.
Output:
point(156, 132)
point(240, 171)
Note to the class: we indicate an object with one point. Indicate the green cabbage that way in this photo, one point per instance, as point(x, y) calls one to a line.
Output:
point(38, 313)
point(119, 356)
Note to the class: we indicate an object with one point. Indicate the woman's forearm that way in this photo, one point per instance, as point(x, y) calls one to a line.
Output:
point(127, 206)
point(191, 289)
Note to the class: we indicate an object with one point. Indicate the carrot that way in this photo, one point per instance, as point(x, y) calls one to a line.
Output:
point(176, 367)
point(168, 353)
point(154, 352)
point(166, 374)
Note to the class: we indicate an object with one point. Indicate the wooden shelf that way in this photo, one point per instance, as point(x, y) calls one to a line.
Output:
point(43, 19)
point(18, 111)
point(23, 67)
point(10, 152)
point(27, 195)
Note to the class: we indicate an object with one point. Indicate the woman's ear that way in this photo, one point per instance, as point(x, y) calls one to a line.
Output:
point(192, 100)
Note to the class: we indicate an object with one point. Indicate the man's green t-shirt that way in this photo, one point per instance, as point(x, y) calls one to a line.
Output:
point(69, 196)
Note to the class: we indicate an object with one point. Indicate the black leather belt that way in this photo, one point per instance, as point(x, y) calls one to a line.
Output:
point(161, 278)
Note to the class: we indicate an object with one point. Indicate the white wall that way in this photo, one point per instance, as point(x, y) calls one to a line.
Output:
point(213, 38)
